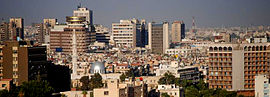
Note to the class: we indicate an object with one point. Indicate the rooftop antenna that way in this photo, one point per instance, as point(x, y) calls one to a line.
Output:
point(80, 4)
point(193, 28)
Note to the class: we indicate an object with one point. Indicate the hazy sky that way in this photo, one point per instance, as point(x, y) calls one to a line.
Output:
point(207, 13)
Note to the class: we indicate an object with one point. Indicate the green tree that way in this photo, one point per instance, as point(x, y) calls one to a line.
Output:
point(123, 77)
point(84, 93)
point(36, 89)
point(167, 79)
point(192, 92)
point(165, 95)
point(85, 82)
point(4, 93)
point(96, 81)
point(200, 89)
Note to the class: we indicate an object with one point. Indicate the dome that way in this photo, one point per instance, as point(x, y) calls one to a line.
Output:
point(97, 67)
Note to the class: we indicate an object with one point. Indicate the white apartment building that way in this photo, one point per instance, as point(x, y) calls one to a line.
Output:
point(124, 33)
point(262, 86)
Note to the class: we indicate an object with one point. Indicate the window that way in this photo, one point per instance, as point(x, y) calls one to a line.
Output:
point(106, 92)
point(3, 85)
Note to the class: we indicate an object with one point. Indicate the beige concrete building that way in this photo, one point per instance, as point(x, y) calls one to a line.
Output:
point(124, 33)
point(171, 90)
point(16, 28)
point(178, 31)
point(262, 86)
point(158, 37)
point(113, 88)
point(84, 12)
point(50, 22)
point(234, 66)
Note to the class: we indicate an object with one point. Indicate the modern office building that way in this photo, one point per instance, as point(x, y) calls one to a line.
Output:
point(178, 31)
point(141, 33)
point(84, 12)
point(61, 37)
point(129, 33)
point(22, 61)
point(234, 66)
point(16, 28)
point(102, 34)
point(158, 37)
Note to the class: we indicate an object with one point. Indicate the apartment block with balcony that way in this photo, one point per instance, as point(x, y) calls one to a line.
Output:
point(234, 66)
point(22, 61)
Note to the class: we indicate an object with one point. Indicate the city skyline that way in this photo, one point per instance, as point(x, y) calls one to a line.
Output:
point(207, 13)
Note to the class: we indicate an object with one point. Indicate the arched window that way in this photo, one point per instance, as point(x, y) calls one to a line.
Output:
point(257, 48)
point(225, 48)
point(261, 48)
point(215, 48)
point(220, 48)
point(230, 48)
point(253, 48)
point(211, 49)
point(249, 48)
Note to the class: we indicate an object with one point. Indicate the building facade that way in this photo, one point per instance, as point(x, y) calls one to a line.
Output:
point(102, 34)
point(84, 12)
point(234, 66)
point(22, 61)
point(50, 22)
point(61, 36)
point(124, 33)
point(178, 31)
point(16, 29)
point(262, 86)
point(4, 31)
point(158, 35)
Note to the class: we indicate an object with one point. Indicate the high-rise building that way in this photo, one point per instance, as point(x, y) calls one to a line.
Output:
point(178, 31)
point(41, 30)
point(158, 37)
point(50, 22)
point(124, 33)
point(4, 31)
point(16, 28)
point(234, 66)
point(61, 36)
point(128, 33)
point(84, 12)
point(22, 61)
point(141, 33)
point(102, 34)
